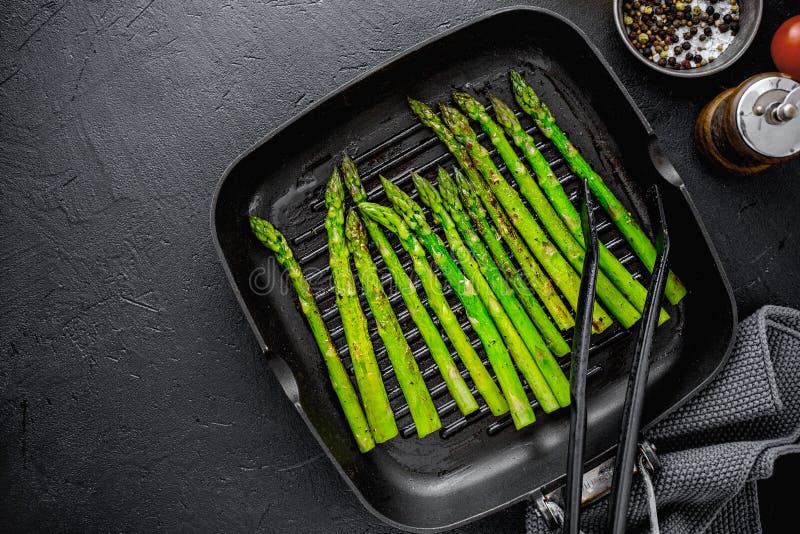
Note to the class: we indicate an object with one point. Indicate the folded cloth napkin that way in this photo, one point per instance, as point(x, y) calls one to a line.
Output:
point(715, 448)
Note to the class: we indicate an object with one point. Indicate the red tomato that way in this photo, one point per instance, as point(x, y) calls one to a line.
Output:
point(785, 48)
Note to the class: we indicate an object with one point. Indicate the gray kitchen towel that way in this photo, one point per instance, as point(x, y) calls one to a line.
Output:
point(715, 448)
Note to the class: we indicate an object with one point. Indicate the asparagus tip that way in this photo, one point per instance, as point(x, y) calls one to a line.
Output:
point(333, 191)
point(386, 183)
point(419, 108)
point(468, 103)
point(516, 78)
point(503, 112)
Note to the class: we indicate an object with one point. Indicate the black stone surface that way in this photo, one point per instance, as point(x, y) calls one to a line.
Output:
point(133, 394)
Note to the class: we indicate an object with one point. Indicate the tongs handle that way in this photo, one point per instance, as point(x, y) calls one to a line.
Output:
point(637, 379)
point(581, 341)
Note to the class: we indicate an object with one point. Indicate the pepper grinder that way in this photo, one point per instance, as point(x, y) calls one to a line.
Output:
point(752, 127)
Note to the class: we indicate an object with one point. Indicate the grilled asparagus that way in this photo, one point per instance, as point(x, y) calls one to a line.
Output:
point(450, 189)
point(521, 411)
point(619, 275)
point(271, 238)
point(529, 101)
point(456, 385)
point(546, 252)
point(470, 271)
point(533, 272)
point(456, 225)
point(368, 375)
point(420, 404)
point(614, 300)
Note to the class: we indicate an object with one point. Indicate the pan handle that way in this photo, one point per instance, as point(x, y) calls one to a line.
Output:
point(662, 163)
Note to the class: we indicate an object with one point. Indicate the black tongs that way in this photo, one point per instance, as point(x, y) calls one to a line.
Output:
point(637, 380)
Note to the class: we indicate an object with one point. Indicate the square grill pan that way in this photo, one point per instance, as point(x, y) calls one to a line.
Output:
point(479, 464)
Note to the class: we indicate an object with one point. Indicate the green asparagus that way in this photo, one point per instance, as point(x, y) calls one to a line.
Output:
point(450, 190)
point(470, 271)
point(458, 230)
point(271, 238)
point(619, 275)
point(546, 252)
point(368, 375)
point(533, 272)
point(420, 404)
point(528, 100)
point(521, 411)
point(456, 385)
point(613, 299)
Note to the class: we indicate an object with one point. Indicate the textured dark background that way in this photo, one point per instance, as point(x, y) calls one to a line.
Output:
point(133, 394)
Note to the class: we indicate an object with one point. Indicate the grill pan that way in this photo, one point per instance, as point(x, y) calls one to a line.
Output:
point(479, 464)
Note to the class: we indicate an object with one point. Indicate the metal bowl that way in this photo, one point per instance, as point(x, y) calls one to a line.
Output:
point(748, 26)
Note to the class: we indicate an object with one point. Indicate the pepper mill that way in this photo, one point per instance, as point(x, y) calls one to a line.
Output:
point(749, 128)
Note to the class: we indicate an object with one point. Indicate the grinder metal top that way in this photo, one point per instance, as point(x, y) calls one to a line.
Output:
point(768, 116)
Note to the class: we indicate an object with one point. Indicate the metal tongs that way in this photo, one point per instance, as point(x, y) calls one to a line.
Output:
point(637, 380)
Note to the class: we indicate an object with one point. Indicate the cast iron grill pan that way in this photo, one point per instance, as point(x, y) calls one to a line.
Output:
point(479, 463)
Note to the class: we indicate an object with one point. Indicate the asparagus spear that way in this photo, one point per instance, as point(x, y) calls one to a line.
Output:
point(450, 194)
point(456, 385)
point(413, 216)
point(614, 300)
point(368, 375)
point(416, 393)
point(623, 219)
point(456, 226)
point(537, 278)
point(521, 411)
point(557, 267)
point(619, 275)
point(271, 238)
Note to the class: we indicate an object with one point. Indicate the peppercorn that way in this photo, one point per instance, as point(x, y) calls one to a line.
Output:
point(662, 62)
point(723, 28)
point(710, 10)
point(685, 64)
point(686, 45)
point(727, 18)
point(687, 35)
point(715, 16)
point(702, 37)
point(680, 6)
point(628, 20)
point(735, 27)
point(671, 61)
point(708, 31)
point(696, 10)
point(693, 31)
point(678, 50)
point(643, 38)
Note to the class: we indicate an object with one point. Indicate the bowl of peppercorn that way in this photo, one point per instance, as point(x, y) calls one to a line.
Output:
point(690, 38)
